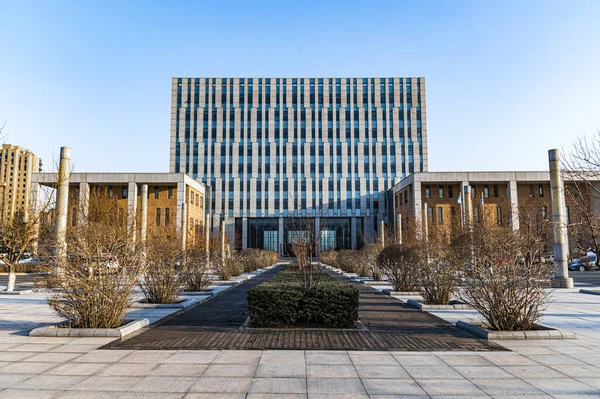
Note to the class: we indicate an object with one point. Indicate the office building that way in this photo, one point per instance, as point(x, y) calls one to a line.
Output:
point(275, 149)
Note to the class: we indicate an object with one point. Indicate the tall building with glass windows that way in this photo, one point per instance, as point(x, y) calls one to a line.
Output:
point(273, 149)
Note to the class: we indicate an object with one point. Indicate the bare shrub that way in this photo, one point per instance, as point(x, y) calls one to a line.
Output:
point(368, 261)
point(162, 278)
point(330, 258)
point(399, 263)
point(195, 271)
point(501, 283)
point(440, 266)
point(348, 260)
point(253, 259)
point(93, 286)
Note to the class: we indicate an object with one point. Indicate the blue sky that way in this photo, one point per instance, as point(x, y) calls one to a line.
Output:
point(506, 80)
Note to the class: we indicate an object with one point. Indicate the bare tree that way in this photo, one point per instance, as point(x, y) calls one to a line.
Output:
point(304, 241)
point(582, 192)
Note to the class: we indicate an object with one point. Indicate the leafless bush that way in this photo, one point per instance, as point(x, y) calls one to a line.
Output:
point(162, 276)
point(253, 259)
point(501, 284)
point(348, 260)
point(440, 266)
point(368, 261)
point(93, 286)
point(195, 270)
point(399, 263)
point(330, 258)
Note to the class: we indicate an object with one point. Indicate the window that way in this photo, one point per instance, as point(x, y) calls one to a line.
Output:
point(495, 191)
point(406, 197)
point(499, 215)
point(170, 192)
point(197, 200)
point(191, 223)
point(158, 216)
point(155, 192)
point(531, 191)
point(124, 192)
point(430, 214)
point(441, 191)
point(167, 216)
point(110, 191)
point(450, 192)
point(541, 190)
point(440, 216)
point(427, 192)
point(191, 198)
point(486, 192)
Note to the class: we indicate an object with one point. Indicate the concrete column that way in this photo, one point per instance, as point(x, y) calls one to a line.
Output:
point(280, 236)
point(317, 233)
point(425, 222)
point(417, 207)
point(223, 240)
point(468, 206)
point(353, 232)
point(557, 190)
point(35, 205)
point(399, 228)
point(382, 232)
point(514, 204)
point(244, 233)
point(84, 202)
point(131, 208)
point(184, 226)
point(144, 213)
point(207, 232)
point(62, 204)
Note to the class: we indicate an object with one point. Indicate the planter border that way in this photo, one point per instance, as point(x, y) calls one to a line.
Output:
point(589, 292)
point(424, 306)
point(16, 292)
point(184, 303)
point(407, 293)
point(119, 332)
point(515, 335)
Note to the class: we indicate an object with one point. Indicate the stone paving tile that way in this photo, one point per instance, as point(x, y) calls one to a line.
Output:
point(276, 396)
point(593, 359)
point(382, 372)
point(579, 371)
point(483, 372)
point(454, 360)
point(286, 357)
point(374, 358)
point(180, 369)
point(58, 382)
point(32, 348)
point(449, 387)
point(8, 380)
point(512, 386)
point(562, 386)
point(101, 356)
point(337, 386)
point(275, 370)
point(151, 395)
point(18, 394)
point(75, 348)
point(555, 359)
point(402, 397)
point(437, 372)
point(4, 347)
point(230, 370)
point(238, 357)
point(318, 357)
point(330, 371)
point(415, 360)
point(533, 372)
point(100, 383)
point(52, 357)
point(392, 387)
point(222, 385)
point(147, 356)
point(508, 359)
point(540, 396)
point(192, 357)
point(89, 395)
point(194, 395)
point(278, 385)
point(15, 356)
point(165, 384)
point(128, 369)
point(27, 368)
point(572, 350)
point(88, 369)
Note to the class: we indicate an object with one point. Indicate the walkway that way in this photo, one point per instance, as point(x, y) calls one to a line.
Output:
point(386, 325)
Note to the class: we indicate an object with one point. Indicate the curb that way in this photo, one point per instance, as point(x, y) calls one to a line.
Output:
point(514, 335)
point(118, 332)
point(590, 292)
point(401, 293)
point(423, 306)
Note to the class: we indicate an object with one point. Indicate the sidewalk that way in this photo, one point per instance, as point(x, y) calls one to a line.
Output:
point(74, 367)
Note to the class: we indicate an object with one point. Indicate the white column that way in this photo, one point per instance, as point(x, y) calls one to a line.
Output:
point(184, 227)
point(244, 233)
point(143, 213)
point(62, 204)
point(131, 208)
point(425, 222)
point(561, 251)
point(514, 204)
point(84, 202)
point(466, 195)
point(399, 228)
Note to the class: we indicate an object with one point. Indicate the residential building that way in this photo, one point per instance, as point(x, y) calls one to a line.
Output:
point(17, 166)
point(173, 200)
point(274, 149)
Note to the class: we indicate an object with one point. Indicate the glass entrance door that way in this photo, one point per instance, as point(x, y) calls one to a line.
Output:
point(327, 241)
point(271, 240)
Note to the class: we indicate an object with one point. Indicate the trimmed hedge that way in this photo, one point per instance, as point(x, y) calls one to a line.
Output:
point(283, 302)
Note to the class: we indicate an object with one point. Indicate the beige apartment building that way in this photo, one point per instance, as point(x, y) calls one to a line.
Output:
point(517, 199)
point(173, 199)
point(17, 166)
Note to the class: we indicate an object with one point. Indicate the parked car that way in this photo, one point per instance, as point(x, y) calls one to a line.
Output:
point(587, 262)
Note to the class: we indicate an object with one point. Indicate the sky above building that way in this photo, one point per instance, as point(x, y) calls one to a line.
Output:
point(506, 80)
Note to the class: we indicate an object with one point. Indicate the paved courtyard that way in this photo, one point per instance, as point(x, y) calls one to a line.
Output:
point(34, 367)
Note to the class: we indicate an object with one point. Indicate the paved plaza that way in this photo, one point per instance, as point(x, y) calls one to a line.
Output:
point(35, 367)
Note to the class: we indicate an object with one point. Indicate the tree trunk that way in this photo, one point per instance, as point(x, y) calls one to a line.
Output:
point(12, 278)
